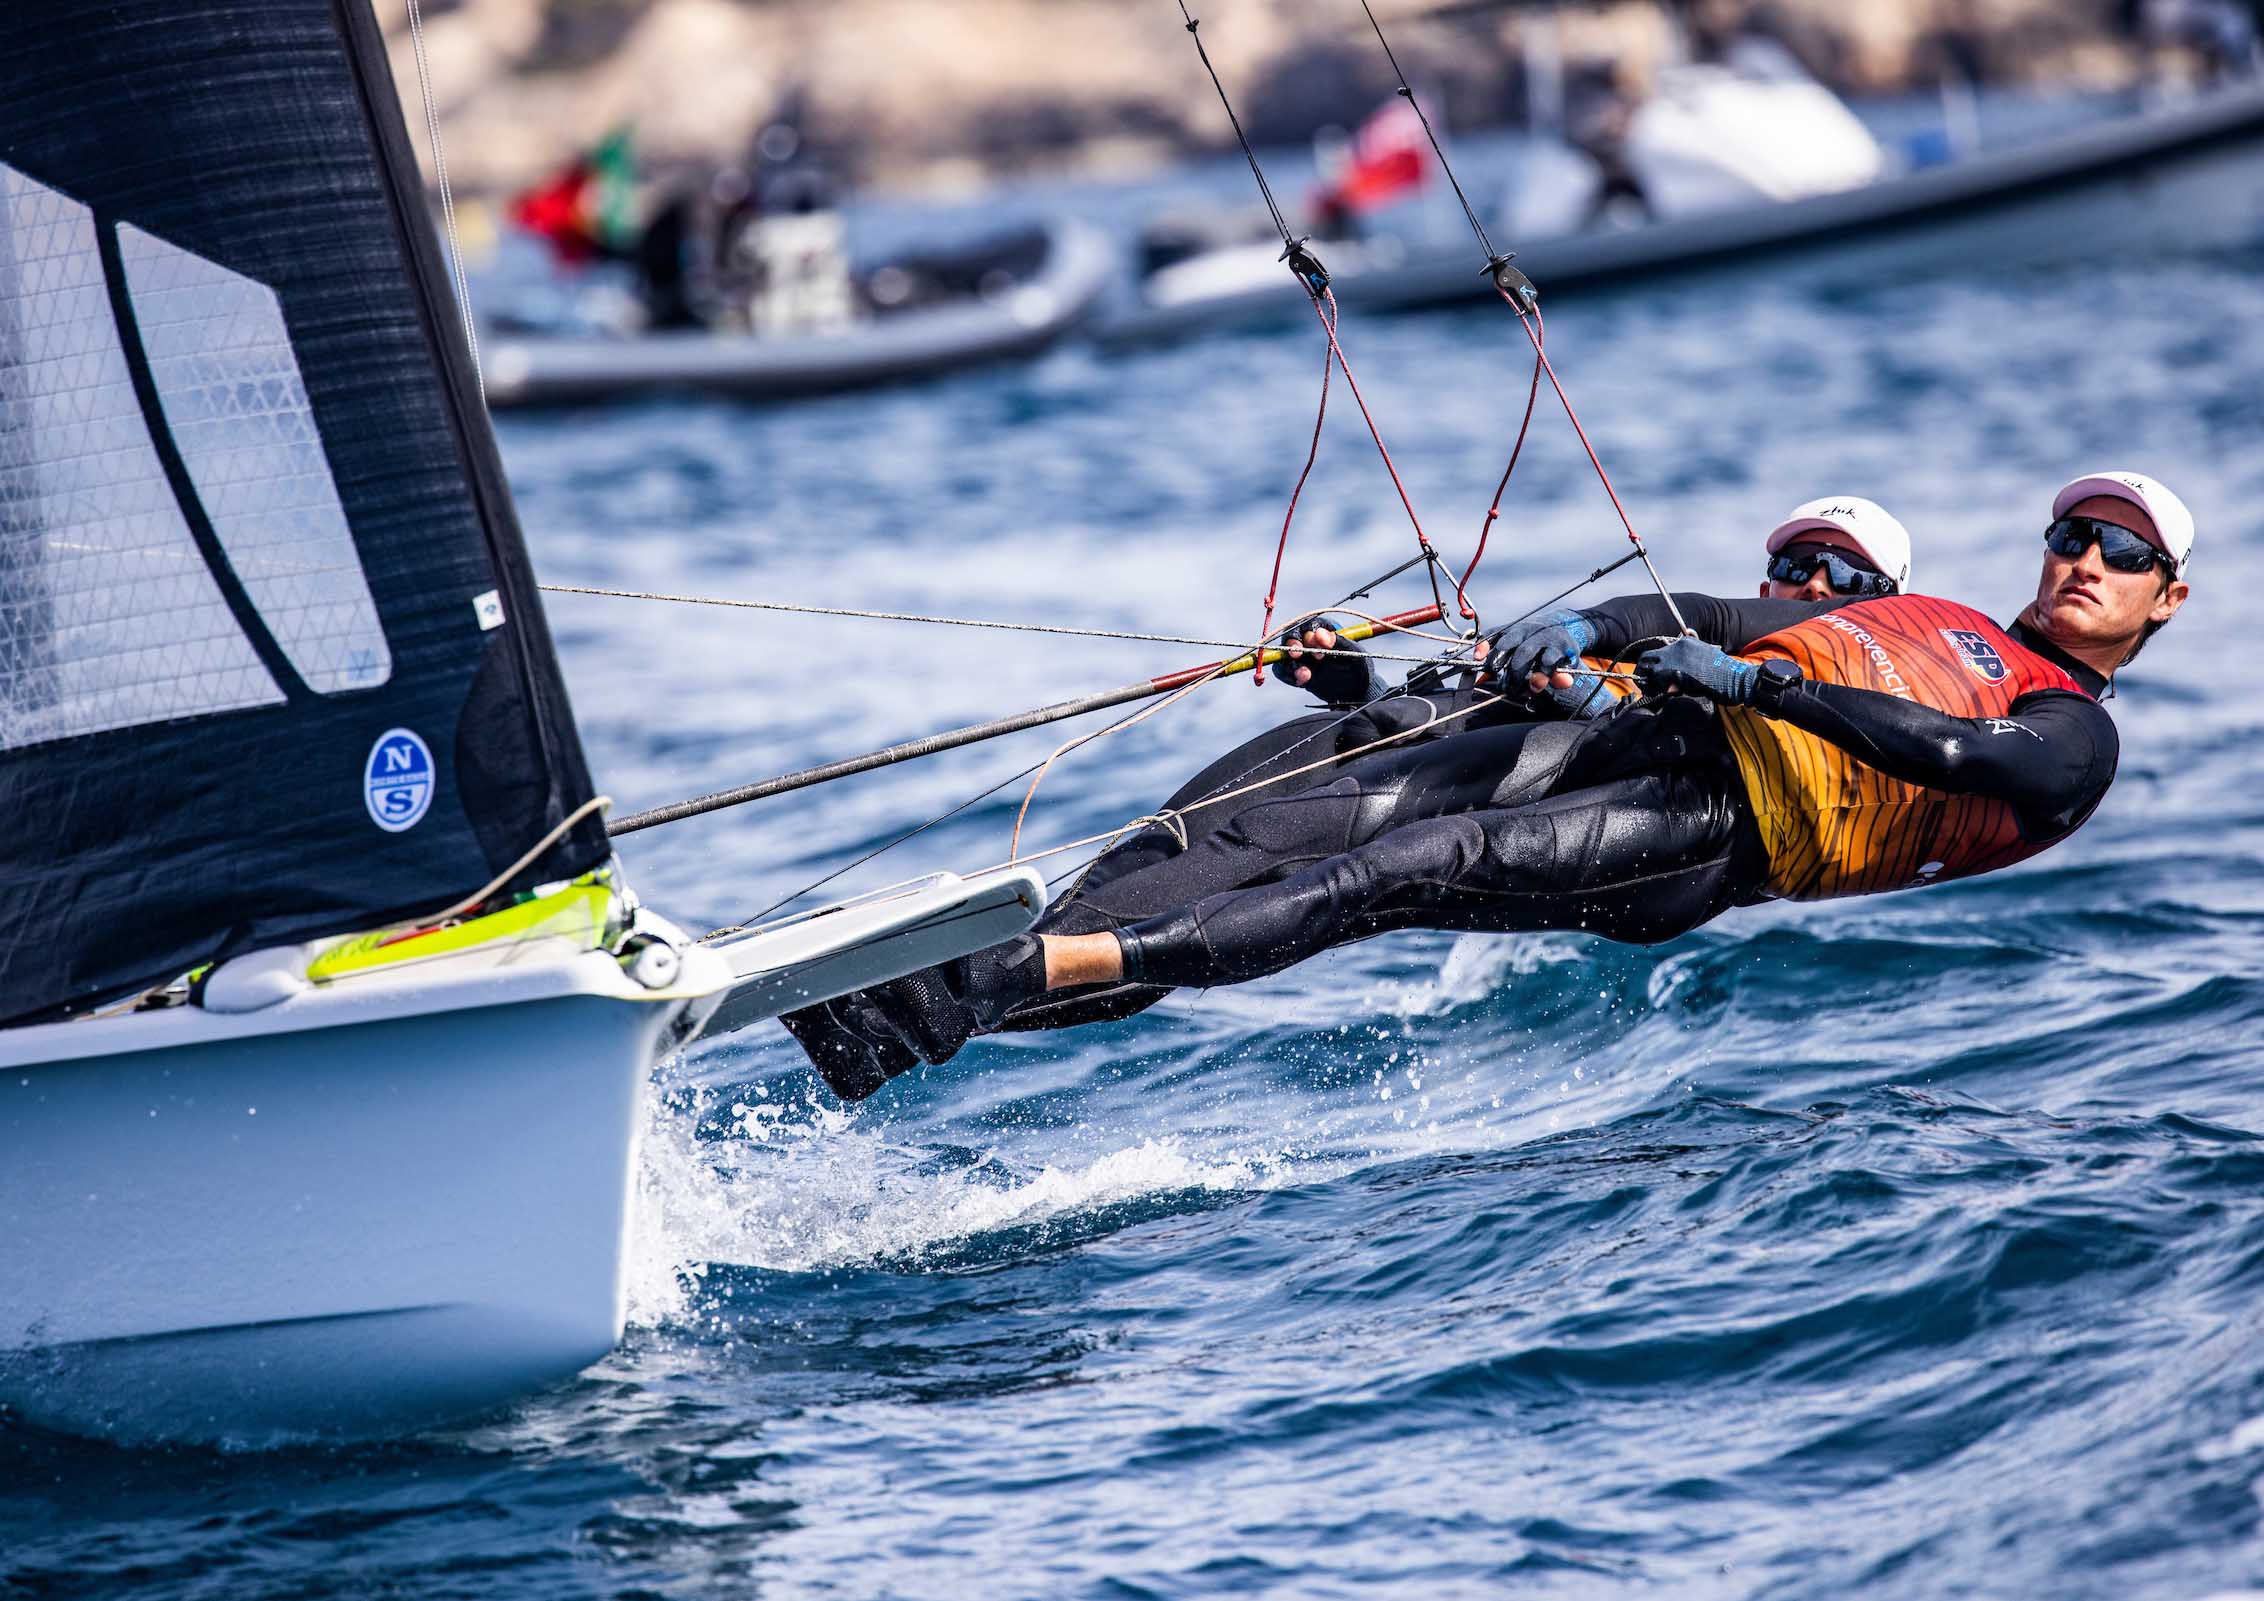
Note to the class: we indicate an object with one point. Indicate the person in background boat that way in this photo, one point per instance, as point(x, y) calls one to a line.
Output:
point(782, 252)
point(671, 262)
point(1784, 749)
point(758, 246)
point(2223, 39)
point(1600, 100)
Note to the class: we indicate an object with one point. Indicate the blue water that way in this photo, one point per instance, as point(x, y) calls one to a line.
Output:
point(1906, 1246)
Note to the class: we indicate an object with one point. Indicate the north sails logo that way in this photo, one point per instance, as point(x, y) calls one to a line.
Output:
point(1979, 656)
point(398, 780)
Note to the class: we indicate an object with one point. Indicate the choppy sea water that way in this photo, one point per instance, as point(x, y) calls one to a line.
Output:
point(1905, 1246)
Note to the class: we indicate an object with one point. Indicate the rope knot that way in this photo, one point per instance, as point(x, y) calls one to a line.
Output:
point(1171, 823)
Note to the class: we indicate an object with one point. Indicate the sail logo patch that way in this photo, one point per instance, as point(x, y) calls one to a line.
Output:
point(1979, 656)
point(398, 780)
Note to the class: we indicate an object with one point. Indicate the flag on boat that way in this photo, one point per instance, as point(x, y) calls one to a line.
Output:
point(584, 211)
point(1390, 156)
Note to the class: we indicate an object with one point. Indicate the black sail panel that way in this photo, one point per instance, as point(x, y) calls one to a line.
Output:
point(272, 659)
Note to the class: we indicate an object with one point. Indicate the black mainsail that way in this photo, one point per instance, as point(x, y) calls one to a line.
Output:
point(272, 659)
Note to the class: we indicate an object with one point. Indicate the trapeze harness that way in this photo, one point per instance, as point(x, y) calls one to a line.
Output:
point(1836, 826)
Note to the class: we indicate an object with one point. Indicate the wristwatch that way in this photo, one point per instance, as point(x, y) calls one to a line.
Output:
point(1777, 677)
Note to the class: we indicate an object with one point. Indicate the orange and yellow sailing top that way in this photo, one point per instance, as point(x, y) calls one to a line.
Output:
point(1834, 826)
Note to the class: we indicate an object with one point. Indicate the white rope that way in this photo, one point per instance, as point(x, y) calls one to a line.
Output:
point(1224, 796)
point(596, 803)
point(447, 199)
point(1218, 670)
point(982, 622)
point(1175, 820)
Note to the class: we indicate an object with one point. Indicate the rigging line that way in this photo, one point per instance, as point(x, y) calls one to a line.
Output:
point(1140, 689)
point(982, 622)
point(982, 795)
point(1358, 594)
point(1281, 550)
point(877, 851)
point(1214, 796)
point(1518, 294)
point(1154, 707)
point(527, 859)
point(1478, 705)
point(1334, 723)
point(1175, 817)
point(1408, 94)
point(1280, 223)
point(1537, 332)
point(447, 198)
point(1493, 511)
point(1390, 690)
point(1314, 277)
point(1171, 818)
point(1430, 553)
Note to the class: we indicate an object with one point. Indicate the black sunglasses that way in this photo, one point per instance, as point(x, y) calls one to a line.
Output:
point(2119, 548)
point(1845, 577)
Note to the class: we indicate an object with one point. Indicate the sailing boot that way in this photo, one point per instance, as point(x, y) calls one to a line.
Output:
point(861, 1041)
point(939, 1009)
point(997, 979)
point(850, 1044)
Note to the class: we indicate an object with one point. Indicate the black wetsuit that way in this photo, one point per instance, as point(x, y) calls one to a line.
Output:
point(1635, 827)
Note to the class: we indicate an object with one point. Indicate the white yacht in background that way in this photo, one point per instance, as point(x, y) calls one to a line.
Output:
point(1754, 161)
point(325, 1013)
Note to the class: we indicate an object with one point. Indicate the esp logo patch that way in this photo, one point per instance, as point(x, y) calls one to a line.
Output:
point(1979, 656)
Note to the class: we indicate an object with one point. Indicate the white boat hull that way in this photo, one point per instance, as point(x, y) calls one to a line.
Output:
point(355, 1208)
point(337, 1229)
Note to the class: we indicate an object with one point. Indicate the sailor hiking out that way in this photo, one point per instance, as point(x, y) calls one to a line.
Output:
point(1783, 748)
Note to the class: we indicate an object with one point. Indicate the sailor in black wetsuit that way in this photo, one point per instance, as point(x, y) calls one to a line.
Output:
point(1794, 749)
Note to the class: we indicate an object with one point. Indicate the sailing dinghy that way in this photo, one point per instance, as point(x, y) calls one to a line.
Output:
point(325, 1010)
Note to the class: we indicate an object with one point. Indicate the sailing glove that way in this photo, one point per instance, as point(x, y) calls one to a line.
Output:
point(1542, 643)
point(1337, 681)
point(1696, 668)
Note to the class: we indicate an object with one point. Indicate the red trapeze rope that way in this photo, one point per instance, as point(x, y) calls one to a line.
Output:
point(1486, 528)
point(1273, 586)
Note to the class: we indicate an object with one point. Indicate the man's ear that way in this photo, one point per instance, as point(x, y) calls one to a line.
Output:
point(1763, 591)
point(2167, 604)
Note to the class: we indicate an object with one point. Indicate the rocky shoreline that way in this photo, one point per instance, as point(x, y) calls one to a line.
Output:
point(949, 94)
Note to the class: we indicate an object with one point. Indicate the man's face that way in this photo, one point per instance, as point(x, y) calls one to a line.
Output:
point(2081, 601)
point(1819, 584)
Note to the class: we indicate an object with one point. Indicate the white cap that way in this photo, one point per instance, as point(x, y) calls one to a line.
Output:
point(2171, 519)
point(1863, 524)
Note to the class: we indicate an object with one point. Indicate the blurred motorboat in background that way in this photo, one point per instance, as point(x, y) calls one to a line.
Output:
point(811, 330)
point(1748, 159)
point(741, 282)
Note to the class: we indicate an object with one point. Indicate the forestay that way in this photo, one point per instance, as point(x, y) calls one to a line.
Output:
point(272, 663)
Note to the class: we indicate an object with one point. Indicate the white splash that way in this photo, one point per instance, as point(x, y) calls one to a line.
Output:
point(2245, 1438)
point(807, 1187)
point(1476, 967)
